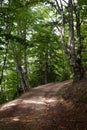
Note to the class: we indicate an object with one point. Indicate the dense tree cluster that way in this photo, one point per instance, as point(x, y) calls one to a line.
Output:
point(41, 41)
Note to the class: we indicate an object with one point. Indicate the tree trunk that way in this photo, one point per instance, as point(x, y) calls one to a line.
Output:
point(3, 66)
point(46, 65)
point(79, 74)
point(25, 68)
point(22, 72)
point(46, 72)
point(23, 80)
point(25, 58)
point(75, 58)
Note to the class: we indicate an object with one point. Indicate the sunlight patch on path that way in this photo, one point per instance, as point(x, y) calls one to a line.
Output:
point(10, 104)
point(32, 102)
point(42, 95)
point(16, 118)
point(39, 101)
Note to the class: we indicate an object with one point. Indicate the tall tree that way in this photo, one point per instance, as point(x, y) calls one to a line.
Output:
point(72, 47)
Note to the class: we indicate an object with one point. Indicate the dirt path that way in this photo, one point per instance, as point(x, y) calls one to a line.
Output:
point(30, 111)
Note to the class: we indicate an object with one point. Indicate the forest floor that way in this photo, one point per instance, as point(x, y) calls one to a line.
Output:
point(54, 106)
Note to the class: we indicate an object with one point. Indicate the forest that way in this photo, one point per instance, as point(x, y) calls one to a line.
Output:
point(41, 41)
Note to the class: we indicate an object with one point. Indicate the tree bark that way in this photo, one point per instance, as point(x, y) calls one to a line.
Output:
point(25, 58)
point(46, 65)
point(69, 49)
point(79, 67)
point(75, 57)
point(23, 80)
point(4, 63)
point(25, 68)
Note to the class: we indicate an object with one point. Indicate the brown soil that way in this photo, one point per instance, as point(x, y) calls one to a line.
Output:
point(54, 106)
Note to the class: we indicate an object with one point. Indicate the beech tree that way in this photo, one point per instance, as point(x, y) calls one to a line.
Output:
point(70, 13)
point(41, 42)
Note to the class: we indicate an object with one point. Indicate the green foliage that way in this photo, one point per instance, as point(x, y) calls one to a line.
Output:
point(82, 2)
point(29, 28)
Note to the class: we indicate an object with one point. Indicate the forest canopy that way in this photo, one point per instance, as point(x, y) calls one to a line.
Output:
point(41, 41)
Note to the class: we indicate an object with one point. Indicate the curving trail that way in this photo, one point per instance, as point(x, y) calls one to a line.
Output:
point(29, 112)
